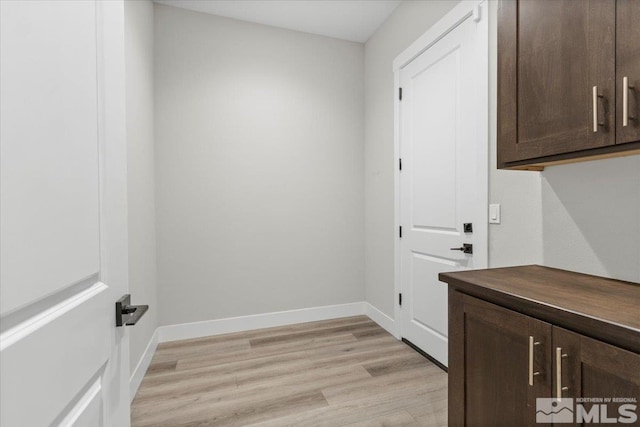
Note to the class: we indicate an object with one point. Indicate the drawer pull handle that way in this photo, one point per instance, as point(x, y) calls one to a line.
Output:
point(625, 101)
point(559, 387)
point(596, 123)
point(532, 374)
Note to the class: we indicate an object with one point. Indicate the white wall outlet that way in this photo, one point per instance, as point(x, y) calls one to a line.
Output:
point(494, 214)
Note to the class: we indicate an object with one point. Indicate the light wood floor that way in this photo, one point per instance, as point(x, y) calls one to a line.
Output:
point(332, 373)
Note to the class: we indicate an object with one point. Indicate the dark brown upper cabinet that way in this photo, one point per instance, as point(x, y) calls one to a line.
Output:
point(628, 71)
point(564, 67)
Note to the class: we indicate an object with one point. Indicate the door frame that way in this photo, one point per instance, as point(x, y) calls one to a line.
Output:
point(478, 10)
point(114, 238)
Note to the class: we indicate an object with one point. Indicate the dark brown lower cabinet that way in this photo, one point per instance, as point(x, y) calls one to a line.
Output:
point(585, 367)
point(510, 343)
point(497, 347)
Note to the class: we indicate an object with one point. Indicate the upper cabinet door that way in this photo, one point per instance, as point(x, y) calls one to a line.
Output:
point(556, 68)
point(628, 71)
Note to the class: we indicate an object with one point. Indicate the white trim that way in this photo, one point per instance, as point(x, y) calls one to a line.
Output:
point(112, 169)
point(143, 365)
point(385, 322)
point(267, 320)
point(81, 406)
point(478, 11)
point(32, 324)
point(457, 15)
point(396, 203)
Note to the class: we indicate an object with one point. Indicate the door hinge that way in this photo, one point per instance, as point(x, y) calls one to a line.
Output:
point(400, 94)
point(400, 164)
point(400, 232)
point(400, 299)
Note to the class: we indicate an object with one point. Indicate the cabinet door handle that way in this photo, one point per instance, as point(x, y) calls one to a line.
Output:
point(595, 108)
point(625, 101)
point(559, 387)
point(532, 374)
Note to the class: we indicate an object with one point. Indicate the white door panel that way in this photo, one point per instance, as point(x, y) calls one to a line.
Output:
point(443, 178)
point(434, 207)
point(62, 214)
point(52, 111)
point(60, 353)
point(428, 312)
point(89, 408)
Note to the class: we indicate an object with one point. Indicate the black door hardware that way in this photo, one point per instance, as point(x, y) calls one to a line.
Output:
point(127, 314)
point(466, 248)
point(468, 227)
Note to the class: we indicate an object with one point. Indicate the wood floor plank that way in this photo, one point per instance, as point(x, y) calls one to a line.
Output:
point(336, 350)
point(432, 413)
point(161, 367)
point(435, 406)
point(380, 384)
point(185, 386)
point(316, 333)
point(361, 356)
point(314, 379)
point(375, 332)
point(208, 405)
point(256, 376)
point(265, 409)
point(218, 349)
point(298, 345)
point(322, 374)
point(244, 365)
point(265, 332)
point(396, 419)
point(345, 413)
point(394, 364)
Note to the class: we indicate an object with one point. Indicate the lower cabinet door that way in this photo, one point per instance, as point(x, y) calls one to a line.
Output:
point(599, 382)
point(501, 364)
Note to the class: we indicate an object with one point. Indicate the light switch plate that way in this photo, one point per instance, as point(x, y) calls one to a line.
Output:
point(494, 214)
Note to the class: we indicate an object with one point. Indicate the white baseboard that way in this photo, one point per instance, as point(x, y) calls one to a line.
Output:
point(381, 319)
point(143, 365)
point(258, 321)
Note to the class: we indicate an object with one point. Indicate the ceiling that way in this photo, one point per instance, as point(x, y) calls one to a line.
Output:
point(354, 20)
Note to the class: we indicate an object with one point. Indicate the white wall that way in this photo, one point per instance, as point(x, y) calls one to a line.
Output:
point(259, 168)
point(140, 162)
point(516, 241)
point(591, 217)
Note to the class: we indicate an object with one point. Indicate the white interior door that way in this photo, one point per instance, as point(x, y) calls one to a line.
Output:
point(63, 244)
point(443, 180)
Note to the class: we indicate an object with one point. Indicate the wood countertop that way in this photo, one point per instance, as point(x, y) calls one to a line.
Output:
point(602, 308)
